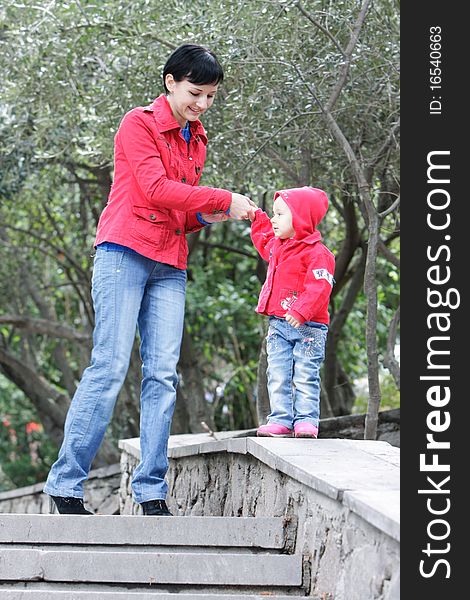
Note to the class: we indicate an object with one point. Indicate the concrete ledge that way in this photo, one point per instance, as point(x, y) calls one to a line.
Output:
point(33, 594)
point(342, 495)
point(364, 475)
point(122, 530)
point(191, 444)
point(195, 568)
point(381, 509)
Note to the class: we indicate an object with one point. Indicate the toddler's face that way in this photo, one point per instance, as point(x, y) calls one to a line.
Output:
point(282, 220)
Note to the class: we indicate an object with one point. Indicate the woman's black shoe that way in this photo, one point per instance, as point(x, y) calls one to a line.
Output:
point(69, 506)
point(156, 508)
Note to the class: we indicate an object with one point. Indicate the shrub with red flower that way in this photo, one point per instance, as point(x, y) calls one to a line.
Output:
point(32, 426)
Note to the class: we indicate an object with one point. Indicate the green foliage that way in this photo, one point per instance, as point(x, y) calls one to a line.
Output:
point(352, 348)
point(70, 70)
point(390, 396)
point(225, 328)
point(26, 453)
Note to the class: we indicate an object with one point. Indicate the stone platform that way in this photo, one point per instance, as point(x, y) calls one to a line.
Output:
point(343, 496)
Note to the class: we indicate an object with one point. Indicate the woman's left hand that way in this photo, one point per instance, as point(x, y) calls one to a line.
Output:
point(215, 217)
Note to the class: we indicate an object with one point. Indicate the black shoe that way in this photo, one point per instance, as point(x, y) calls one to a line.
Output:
point(156, 508)
point(69, 506)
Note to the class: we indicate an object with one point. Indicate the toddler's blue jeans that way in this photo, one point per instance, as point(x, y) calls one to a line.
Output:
point(294, 360)
point(128, 291)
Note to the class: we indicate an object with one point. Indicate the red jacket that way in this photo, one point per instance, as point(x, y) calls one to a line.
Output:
point(300, 271)
point(154, 198)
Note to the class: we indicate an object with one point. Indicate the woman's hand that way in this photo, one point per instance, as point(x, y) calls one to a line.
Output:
point(242, 207)
point(215, 217)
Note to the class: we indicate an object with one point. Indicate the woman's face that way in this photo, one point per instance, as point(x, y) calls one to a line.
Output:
point(189, 100)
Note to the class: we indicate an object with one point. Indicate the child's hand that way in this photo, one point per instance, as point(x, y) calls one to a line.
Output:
point(292, 320)
point(252, 213)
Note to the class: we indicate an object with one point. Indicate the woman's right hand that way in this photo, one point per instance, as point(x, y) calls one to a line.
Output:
point(242, 207)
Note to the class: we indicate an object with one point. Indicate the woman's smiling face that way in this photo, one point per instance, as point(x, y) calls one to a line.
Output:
point(188, 100)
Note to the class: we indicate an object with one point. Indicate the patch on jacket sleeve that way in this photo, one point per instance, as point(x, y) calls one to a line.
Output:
point(323, 274)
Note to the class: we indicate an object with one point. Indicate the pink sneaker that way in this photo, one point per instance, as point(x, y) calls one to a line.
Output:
point(305, 430)
point(274, 430)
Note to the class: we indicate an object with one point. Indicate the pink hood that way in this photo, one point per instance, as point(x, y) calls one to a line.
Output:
point(308, 206)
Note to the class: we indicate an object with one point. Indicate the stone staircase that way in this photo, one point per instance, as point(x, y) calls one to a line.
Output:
point(54, 557)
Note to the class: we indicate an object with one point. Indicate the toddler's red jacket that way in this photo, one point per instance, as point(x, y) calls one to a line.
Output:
point(300, 270)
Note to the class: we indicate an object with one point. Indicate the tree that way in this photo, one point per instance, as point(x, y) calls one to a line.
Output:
point(310, 97)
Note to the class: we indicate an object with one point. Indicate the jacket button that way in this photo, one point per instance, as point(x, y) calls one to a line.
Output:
point(178, 232)
point(152, 217)
point(183, 180)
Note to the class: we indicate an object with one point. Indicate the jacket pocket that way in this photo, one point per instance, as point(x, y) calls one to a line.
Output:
point(151, 214)
point(151, 227)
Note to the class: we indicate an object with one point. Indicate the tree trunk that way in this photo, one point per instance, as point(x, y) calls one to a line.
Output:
point(127, 420)
point(192, 388)
point(390, 362)
point(370, 284)
point(338, 388)
point(180, 422)
point(370, 289)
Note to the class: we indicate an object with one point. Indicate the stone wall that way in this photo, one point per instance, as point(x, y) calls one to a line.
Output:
point(346, 557)
point(101, 494)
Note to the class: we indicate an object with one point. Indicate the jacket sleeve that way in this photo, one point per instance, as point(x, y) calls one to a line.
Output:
point(318, 285)
point(262, 233)
point(192, 223)
point(145, 162)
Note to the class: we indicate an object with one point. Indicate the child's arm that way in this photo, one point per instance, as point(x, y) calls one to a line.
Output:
point(318, 285)
point(261, 233)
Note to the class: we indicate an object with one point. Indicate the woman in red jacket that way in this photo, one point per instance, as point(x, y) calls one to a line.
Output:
point(139, 276)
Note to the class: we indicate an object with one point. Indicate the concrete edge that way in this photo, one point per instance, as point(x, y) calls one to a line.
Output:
point(10, 593)
point(231, 445)
point(283, 465)
point(379, 449)
point(368, 505)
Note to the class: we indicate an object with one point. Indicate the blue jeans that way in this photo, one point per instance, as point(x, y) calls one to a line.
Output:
point(128, 291)
point(294, 360)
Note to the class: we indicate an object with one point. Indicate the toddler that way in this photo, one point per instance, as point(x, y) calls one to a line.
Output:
point(295, 297)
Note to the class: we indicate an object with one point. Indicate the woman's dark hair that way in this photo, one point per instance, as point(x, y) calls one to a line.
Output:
point(195, 63)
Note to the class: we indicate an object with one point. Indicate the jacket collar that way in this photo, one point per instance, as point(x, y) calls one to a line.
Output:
point(311, 239)
point(161, 110)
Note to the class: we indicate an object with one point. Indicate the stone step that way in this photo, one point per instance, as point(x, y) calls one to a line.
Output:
point(123, 530)
point(183, 568)
point(27, 594)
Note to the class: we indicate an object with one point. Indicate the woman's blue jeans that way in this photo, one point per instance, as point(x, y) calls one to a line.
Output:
point(128, 291)
point(294, 360)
